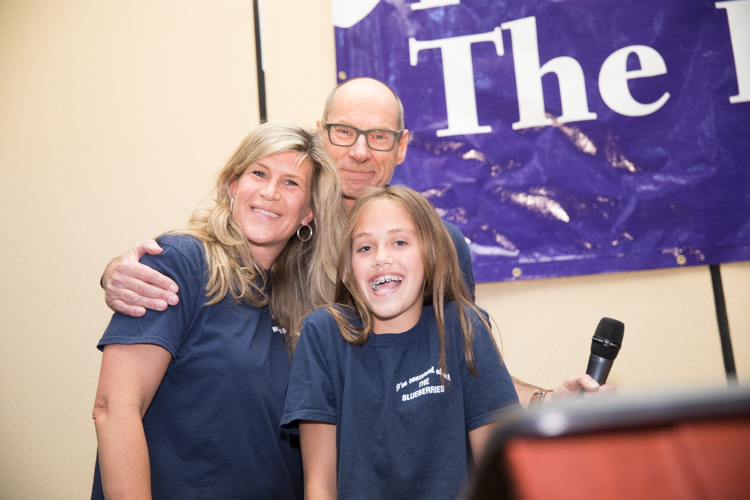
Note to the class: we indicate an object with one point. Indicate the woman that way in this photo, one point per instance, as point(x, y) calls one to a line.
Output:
point(190, 399)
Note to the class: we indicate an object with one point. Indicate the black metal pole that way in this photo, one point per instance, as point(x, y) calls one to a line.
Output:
point(259, 63)
point(721, 317)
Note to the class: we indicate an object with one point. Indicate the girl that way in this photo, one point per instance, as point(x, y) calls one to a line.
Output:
point(394, 389)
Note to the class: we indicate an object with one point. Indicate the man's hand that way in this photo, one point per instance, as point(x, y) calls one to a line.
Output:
point(130, 287)
point(571, 389)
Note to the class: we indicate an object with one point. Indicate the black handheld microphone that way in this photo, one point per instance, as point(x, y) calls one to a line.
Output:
point(604, 348)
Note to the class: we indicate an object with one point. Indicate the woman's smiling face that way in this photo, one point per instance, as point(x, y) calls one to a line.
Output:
point(388, 268)
point(271, 199)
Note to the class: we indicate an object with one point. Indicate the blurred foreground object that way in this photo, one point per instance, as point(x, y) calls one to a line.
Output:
point(681, 446)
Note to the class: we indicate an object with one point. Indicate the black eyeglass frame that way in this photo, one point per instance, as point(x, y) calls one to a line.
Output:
point(396, 135)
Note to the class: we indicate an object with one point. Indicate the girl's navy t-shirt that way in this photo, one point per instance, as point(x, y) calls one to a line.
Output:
point(400, 433)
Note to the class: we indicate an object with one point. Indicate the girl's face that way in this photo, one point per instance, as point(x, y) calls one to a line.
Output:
point(271, 199)
point(388, 267)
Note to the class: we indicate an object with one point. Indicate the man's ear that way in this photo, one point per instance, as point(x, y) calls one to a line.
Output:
point(319, 126)
point(403, 143)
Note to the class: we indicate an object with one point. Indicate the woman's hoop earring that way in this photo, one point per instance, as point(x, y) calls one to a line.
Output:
point(231, 205)
point(308, 236)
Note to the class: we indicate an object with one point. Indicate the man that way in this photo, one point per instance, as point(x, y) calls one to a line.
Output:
point(353, 109)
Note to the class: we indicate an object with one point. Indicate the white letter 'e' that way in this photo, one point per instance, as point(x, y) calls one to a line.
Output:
point(614, 76)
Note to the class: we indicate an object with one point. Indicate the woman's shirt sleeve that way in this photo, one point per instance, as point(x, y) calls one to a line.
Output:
point(183, 261)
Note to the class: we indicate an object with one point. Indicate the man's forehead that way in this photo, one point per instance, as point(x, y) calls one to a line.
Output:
point(364, 105)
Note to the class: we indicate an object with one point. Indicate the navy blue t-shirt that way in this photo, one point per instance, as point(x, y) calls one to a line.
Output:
point(399, 434)
point(213, 427)
point(464, 256)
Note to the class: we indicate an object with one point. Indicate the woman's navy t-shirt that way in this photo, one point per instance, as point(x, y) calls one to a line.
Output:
point(213, 427)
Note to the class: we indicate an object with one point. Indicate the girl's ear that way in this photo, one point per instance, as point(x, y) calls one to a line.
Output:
point(345, 281)
point(307, 218)
point(344, 275)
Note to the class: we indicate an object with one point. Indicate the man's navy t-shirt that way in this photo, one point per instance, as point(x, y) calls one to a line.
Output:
point(464, 256)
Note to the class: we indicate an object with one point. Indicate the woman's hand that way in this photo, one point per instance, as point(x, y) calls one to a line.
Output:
point(318, 443)
point(128, 381)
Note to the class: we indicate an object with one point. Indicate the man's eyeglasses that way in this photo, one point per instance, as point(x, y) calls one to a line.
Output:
point(378, 139)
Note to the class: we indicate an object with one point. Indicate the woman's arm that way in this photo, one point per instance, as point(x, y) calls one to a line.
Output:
point(318, 442)
point(128, 381)
point(478, 439)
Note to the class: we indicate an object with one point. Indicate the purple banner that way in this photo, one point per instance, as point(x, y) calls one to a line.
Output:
point(570, 137)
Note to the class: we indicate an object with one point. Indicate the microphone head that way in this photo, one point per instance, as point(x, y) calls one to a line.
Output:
point(607, 338)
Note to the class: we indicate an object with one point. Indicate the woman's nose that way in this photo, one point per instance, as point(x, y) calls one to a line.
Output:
point(270, 191)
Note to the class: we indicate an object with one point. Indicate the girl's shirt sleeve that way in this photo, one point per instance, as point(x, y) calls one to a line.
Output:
point(492, 392)
point(183, 261)
point(311, 394)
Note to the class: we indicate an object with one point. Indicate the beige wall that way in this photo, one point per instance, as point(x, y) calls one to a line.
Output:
point(114, 117)
point(671, 332)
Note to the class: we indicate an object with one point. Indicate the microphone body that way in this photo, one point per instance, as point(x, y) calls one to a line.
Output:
point(604, 348)
point(598, 368)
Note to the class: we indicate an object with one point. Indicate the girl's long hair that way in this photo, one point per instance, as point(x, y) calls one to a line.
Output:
point(443, 279)
point(304, 272)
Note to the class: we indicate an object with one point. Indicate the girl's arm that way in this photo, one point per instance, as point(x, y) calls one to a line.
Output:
point(478, 439)
point(318, 443)
point(128, 381)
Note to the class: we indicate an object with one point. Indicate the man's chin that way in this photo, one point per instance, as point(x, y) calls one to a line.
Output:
point(353, 190)
point(350, 195)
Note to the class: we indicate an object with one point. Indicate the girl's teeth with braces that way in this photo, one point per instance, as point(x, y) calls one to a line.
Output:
point(385, 279)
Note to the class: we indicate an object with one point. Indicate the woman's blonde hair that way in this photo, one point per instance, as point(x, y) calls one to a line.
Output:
point(443, 279)
point(303, 274)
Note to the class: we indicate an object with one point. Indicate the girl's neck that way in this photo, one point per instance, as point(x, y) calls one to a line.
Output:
point(399, 324)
